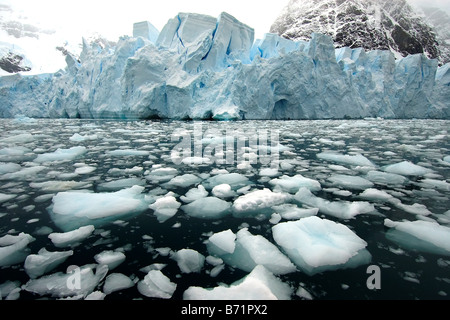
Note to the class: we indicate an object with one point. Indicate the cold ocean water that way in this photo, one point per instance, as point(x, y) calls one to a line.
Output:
point(371, 176)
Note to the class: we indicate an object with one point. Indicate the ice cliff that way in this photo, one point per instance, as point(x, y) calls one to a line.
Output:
point(200, 67)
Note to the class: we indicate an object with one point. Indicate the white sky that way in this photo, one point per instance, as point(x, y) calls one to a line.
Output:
point(113, 18)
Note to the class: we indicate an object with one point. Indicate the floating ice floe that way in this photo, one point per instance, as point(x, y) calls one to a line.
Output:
point(16, 154)
point(258, 203)
point(183, 181)
point(223, 191)
point(76, 283)
point(6, 197)
point(55, 185)
point(110, 258)
point(71, 238)
point(156, 285)
point(128, 152)
point(291, 211)
point(9, 167)
point(385, 178)
point(260, 284)
point(10, 290)
point(245, 251)
point(354, 160)
point(407, 168)
point(120, 184)
point(420, 235)
point(316, 245)
point(293, 184)
point(207, 208)
point(235, 180)
point(61, 155)
point(14, 249)
point(338, 209)
point(165, 208)
point(25, 174)
point(188, 260)
point(350, 182)
point(44, 261)
point(157, 175)
point(194, 194)
point(79, 138)
point(71, 210)
point(116, 282)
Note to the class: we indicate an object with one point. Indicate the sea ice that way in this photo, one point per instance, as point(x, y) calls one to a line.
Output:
point(407, 168)
point(183, 181)
point(223, 191)
point(73, 209)
point(6, 197)
point(258, 202)
point(316, 245)
point(156, 285)
point(77, 282)
point(110, 258)
point(128, 152)
point(44, 261)
point(71, 238)
point(165, 207)
point(385, 178)
point(14, 249)
point(120, 184)
point(116, 282)
point(291, 211)
point(354, 160)
point(350, 182)
point(194, 194)
point(293, 184)
point(207, 208)
point(235, 180)
point(249, 251)
point(420, 235)
point(61, 155)
point(188, 260)
point(260, 284)
point(338, 209)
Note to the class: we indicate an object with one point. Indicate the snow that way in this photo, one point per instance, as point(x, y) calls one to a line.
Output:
point(44, 261)
point(71, 238)
point(316, 245)
point(189, 261)
point(420, 235)
point(260, 284)
point(73, 209)
point(156, 285)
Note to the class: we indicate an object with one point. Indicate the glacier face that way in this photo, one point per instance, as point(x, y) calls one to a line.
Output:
point(200, 67)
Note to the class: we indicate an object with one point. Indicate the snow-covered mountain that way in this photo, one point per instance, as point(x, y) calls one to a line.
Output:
point(371, 24)
point(201, 67)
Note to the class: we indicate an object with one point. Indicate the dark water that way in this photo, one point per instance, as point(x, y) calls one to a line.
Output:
point(406, 273)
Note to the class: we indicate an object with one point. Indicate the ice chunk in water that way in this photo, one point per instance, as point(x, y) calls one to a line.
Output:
point(260, 284)
point(249, 251)
point(194, 194)
point(290, 211)
point(407, 168)
point(350, 182)
point(165, 208)
point(77, 282)
point(73, 209)
point(9, 167)
point(207, 208)
point(189, 261)
point(420, 235)
point(222, 242)
point(128, 152)
point(6, 197)
point(355, 160)
point(385, 178)
point(120, 184)
point(61, 154)
point(293, 184)
point(71, 238)
point(115, 282)
point(223, 191)
point(235, 180)
point(44, 261)
point(183, 181)
point(316, 245)
point(110, 258)
point(14, 249)
point(258, 202)
point(376, 195)
point(338, 209)
point(156, 285)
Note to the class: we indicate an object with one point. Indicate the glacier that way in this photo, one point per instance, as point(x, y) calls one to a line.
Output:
point(202, 67)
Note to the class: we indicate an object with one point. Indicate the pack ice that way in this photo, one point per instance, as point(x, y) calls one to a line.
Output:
point(202, 67)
